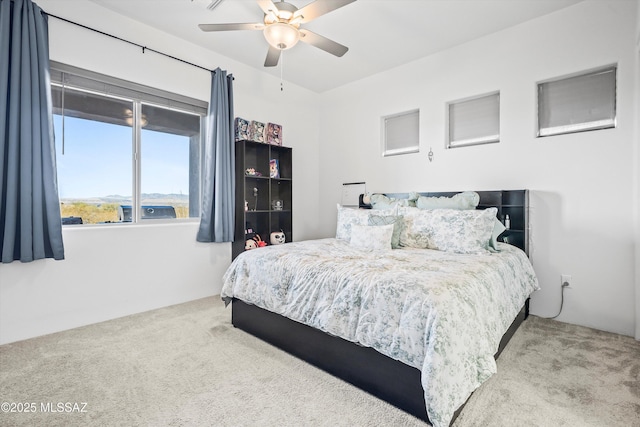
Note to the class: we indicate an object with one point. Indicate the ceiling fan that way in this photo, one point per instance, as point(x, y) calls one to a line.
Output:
point(281, 27)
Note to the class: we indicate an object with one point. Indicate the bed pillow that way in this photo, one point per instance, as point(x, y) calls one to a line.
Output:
point(462, 201)
point(450, 230)
point(350, 216)
point(415, 230)
point(403, 210)
point(371, 237)
point(463, 232)
point(395, 220)
point(380, 201)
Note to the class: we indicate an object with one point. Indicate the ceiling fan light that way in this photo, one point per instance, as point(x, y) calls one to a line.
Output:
point(281, 35)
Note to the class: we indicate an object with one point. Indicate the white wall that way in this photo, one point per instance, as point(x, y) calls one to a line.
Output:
point(583, 211)
point(119, 270)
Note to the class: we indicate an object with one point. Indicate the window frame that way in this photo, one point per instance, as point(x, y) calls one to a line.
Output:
point(409, 149)
point(78, 79)
point(480, 140)
point(581, 126)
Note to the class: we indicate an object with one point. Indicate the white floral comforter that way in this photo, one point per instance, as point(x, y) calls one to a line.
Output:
point(440, 312)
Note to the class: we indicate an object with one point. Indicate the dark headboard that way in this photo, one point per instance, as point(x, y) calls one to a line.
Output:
point(514, 203)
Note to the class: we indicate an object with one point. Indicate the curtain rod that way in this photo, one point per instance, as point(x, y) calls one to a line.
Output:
point(144, 48)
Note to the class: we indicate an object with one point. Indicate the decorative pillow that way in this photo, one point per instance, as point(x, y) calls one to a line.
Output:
point(371, 237)
point(347, 217)
point(397, 222)
point(451, 230)
point(461, 201)
point(404, 210)
point(415, 230)
point(380, 201)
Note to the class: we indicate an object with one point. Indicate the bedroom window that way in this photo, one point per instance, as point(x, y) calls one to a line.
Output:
point(473, 121)
point(577, 103)
point(125, 153)
point(401, 133)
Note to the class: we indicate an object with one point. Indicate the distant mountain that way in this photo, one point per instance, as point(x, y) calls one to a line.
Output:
point(115, 198)
point(172, 196)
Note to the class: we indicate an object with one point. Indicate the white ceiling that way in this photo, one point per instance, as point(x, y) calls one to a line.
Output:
point(380, 34)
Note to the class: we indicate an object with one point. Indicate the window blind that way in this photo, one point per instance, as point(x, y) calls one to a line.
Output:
point(474, 121)
point(401, 133)
point(99, 83)
point(584, 102)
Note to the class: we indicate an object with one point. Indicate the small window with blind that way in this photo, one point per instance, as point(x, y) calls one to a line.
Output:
point(473, 121)
point(582, 102)
point(401, 133)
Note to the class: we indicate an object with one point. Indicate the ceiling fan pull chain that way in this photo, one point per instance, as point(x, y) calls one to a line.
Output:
point(281, 68)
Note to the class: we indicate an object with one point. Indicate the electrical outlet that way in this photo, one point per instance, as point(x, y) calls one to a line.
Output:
point(565, 280)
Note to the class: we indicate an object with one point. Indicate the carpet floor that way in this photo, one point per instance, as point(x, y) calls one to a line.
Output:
point(186, 365)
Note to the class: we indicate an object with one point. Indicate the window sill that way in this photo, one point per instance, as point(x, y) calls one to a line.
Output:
point(143, 224)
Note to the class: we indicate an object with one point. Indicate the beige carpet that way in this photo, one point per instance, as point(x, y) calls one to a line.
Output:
point(187, 366)
point(557, 374)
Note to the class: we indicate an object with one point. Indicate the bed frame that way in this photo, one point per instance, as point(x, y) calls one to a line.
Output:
point(367, 369)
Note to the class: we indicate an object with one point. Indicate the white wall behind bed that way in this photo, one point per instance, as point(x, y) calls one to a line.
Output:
point(124, 269)
point(583, 208)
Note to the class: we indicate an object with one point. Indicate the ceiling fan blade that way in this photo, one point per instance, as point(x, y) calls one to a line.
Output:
point(267, 6)
point(214, 4)
point(231, 27)
point(322, 42)
point(319, 8)
point(273, 56)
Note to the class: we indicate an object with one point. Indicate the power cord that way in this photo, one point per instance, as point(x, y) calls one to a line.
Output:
point(564, 285)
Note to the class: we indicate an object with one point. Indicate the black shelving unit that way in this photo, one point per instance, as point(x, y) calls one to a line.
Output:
point(514, 203)
point(261, 191)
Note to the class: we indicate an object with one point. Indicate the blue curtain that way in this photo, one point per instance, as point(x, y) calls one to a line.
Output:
point(218, 204)
point(30, 225)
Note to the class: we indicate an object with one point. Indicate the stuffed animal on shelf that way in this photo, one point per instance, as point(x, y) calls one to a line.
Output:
point(259, 241)
point(254, 242)
point(252, 172)
point(277, 237)
point(248, 231)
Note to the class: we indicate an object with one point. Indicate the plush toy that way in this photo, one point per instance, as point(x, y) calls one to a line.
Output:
point(250, 244)
point(259, 241)
point(248, 231)
point(277, 238)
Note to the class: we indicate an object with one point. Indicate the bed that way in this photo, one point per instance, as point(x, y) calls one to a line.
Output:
point(416, 326)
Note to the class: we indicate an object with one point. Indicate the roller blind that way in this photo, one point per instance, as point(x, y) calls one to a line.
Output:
point(579, 103)
point(74, 77)
point(401, 133)
point(474, 121)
